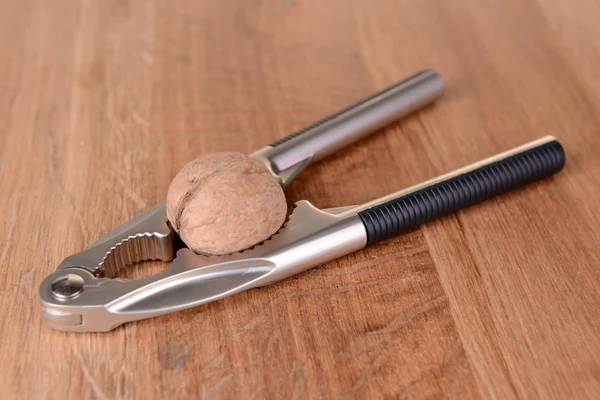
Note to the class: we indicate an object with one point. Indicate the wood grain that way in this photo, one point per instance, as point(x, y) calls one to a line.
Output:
point(102, 102)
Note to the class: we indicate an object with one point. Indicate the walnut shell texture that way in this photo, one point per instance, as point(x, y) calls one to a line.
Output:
point(225, 202)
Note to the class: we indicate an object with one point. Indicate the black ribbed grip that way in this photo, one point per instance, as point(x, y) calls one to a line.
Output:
point(413, 209)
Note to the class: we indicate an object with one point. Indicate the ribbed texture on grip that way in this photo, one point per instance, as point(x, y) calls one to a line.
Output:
point(411, 210)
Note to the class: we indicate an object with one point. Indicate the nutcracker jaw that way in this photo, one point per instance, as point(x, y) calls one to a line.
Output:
point(75, 299)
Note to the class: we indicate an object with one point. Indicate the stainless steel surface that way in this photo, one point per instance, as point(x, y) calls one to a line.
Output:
point(311, 237)
point(460, 171)
point(147, 236)
point(67, 286)
point(81, 296)
point(351, 125)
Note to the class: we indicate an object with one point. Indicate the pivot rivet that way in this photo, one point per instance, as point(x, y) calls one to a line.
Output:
point(67, 286)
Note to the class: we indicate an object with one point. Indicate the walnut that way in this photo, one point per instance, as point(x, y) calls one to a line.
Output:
point(225, 202)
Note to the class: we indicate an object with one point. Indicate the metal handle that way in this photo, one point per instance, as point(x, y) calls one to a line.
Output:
point(407, 209)
point(347, 126)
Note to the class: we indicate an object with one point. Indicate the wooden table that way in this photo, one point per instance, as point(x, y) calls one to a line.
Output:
point(102, 102)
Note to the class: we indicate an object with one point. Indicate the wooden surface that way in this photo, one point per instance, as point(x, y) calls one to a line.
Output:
point(102, 102)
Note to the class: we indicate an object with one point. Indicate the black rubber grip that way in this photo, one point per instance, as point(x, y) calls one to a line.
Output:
point(413, 209)
point(337, 114)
